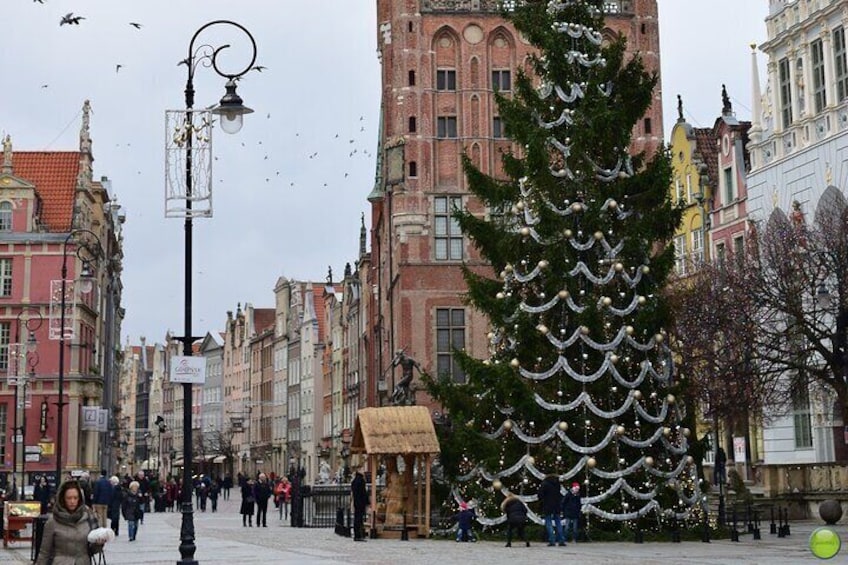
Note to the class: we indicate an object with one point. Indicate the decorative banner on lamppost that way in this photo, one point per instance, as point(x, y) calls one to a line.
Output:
point(56, 314)
point(188, 132)
point(185, 369)
point(90, 415)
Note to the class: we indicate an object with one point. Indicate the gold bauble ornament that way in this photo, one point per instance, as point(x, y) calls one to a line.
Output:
point(543, 329)
point(614, 358)
point(659, 338)
point(649, 461)
point(576, 207)
point(514, 363)
point(568, 233)
point(543, 264)
point(686, 432)
point(584, 330)
point(507, 425)
point(497, 485)
point(666, 431)
point(500, 296)
point(563, 426)
point(591, 462)
point(619, 430)
point(690, 460)
point(646, 269)
point(637, 394)
point(618, 267)
point(629, 330)
point(531, 460)
point(606, 301)
point(508, 268)
point(641, 300)
point(520, 205)
point(525, 231)
point(599, 235)
point(563, 294)
point(670, 399)
point(613, 204)
point(490, 335)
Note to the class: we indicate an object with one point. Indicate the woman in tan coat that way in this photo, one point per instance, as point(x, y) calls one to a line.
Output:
point(65, 540)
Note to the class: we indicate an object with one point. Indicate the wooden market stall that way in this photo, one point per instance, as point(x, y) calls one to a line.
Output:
point(402, 438)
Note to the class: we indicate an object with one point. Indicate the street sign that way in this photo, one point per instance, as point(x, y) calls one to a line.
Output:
point(33, 449)
point(32, 457)
point(18, 438)
point(46, 447)
point(12, 381)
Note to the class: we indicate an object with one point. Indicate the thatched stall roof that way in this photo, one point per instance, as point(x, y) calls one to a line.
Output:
point(394, 430)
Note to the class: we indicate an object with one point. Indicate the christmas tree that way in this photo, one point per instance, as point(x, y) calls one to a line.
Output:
point(579, 381)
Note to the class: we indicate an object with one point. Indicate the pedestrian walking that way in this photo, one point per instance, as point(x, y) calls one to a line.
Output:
point(464, 519)
point(248, 503)
point(571, 505)
point(65, 537)
point(262, 492)
point(41, 493)
point(282, 493)
point(132, 509)
point(516, 518)
point(550, 495)
point(214, 491)
point(227, 485)
point(114, 510)
point(359, 499)
point(102, 497)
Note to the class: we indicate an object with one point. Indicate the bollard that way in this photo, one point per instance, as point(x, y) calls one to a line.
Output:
point(756, 531)
point(404, 535)
point(781, 531)
point(372, 533)
point(749, 518)
point(772, 526)
point(786, 521)
point(734, 533)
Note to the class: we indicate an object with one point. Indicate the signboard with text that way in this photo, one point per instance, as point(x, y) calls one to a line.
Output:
point(739, 450)
point(188, 369)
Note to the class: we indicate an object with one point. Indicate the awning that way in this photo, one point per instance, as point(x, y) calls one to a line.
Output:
point(220, 459)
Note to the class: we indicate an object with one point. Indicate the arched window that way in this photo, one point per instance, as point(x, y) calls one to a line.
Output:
point(5, 216)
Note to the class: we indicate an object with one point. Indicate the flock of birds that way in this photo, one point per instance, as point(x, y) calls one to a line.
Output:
point(71, 19)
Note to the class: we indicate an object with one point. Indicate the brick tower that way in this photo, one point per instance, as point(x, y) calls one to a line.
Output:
point(441, 62)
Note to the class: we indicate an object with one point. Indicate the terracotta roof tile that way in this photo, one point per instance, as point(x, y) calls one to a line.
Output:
point(54, 174)
point(705, 142)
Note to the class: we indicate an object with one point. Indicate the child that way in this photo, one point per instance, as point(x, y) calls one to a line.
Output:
point(464, 519)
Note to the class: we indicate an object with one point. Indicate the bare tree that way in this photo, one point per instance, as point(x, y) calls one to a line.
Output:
point(801, 293)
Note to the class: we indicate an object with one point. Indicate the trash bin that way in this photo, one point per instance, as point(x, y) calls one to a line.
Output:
point(37, 535)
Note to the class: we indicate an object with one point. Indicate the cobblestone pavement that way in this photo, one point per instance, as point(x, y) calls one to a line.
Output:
point(222, 539)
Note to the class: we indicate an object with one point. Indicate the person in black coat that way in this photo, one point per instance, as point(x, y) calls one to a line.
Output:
point(248, 502)
point(550, 496)
point(41, 493)
point(114, 510)
point(359, 499)
point(132, 508)
point(262, 492)
point(516, 518)
point(571, 506)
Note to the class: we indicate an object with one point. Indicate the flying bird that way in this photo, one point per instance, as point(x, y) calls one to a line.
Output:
point(258, 68)
point(70, 18)
point(44, 85)
point(39, 1)
point(118, 68)
point(135, 25)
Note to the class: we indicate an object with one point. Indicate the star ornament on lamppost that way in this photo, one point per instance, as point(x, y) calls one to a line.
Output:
point(63, 296)
point(188, 194)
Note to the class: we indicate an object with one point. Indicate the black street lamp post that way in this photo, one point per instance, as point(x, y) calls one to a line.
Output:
point(26, 359)
point(231, 113)
point(87, 248)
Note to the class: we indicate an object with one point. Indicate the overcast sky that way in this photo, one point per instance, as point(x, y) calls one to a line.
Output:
point(290, 187)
